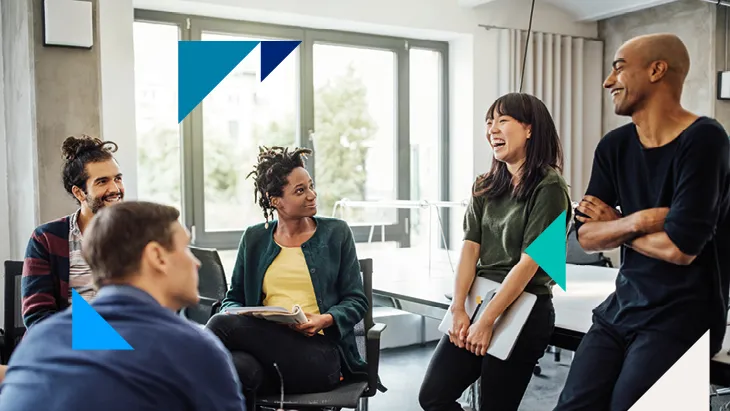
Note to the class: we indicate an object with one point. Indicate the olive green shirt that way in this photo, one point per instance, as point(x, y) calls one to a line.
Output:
point(504, 227)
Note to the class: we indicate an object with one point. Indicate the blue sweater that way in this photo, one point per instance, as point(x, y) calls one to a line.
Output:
point(174, 366)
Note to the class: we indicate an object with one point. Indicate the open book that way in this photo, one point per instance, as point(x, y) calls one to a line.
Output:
point(507, 327)
point(275, 314)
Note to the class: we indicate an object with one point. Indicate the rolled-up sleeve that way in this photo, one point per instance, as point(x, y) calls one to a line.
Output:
point(703, 170)
point(601, 184)
point(473, 219)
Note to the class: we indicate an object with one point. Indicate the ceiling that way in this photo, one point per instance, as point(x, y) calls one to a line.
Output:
point(589, 10)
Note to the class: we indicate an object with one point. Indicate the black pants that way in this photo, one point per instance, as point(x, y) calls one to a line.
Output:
point(453, 369)
point(613, 368)
point(307, 364)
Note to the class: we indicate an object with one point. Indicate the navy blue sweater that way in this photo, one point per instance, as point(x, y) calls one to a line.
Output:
point(174, 366)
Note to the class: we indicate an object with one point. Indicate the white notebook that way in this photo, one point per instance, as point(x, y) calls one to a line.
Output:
point(507, 327)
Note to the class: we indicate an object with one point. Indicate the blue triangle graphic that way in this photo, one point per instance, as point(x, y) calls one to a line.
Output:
point(548, 250)
point(91, 332)
point(273, 53)
point(201, 65)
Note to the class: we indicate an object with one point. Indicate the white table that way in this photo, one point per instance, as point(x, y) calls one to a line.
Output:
point(409, 275)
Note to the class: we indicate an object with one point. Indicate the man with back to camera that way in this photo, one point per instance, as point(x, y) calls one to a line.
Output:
point(668, 171)
point(140, 261)
point(53, 263)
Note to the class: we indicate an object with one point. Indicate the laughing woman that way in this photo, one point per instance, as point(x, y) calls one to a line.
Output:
point(511, 205)
point(299, 258)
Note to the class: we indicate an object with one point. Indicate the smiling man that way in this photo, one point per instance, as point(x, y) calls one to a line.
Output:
point(668, 170)
point(53, 264)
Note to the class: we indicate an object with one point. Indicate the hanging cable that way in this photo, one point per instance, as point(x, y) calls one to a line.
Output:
point(527, 43)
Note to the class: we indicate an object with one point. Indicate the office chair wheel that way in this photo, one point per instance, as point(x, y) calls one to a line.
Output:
point(537, 370)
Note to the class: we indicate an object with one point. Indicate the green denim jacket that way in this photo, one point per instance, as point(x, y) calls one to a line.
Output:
point(335, 270)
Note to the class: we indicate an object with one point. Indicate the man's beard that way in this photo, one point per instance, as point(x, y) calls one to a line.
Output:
point(97, 203)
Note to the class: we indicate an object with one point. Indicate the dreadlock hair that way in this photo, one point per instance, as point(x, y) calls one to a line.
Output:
point(543, 149)
point(271, 172)
point(77, 152)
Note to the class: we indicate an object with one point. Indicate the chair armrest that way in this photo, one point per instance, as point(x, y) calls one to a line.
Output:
point(372, 339)
point(215, 308)
point(207, 301)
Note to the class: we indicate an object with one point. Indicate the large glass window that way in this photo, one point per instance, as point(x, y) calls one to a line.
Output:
point(356, 140)
point(239, 115)
point(372, 109)
point(159, 161)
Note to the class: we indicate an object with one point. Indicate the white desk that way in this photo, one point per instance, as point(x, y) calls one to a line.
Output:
point(404, 274)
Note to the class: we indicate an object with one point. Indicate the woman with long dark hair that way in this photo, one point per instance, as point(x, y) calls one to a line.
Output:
point(511, 205)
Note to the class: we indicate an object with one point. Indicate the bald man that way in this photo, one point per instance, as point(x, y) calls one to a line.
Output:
point(667, 172)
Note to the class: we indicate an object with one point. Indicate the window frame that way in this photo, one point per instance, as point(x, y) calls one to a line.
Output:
point(191, 27)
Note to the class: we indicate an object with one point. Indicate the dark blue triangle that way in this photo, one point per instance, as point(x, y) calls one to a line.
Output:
point(201, 65)
point(273, 53)
point(91, 332)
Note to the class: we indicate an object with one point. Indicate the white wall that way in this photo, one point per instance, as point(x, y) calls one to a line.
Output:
point(435, 19)
point(116, 18)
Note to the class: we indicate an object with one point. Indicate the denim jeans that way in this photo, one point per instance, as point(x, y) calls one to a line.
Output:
point(452, 369)
point(307, 364)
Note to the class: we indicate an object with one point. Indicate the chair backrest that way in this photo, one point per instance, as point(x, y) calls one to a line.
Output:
point(212, 283)
point(366, 269)
point(577, 255)
point(13, 312)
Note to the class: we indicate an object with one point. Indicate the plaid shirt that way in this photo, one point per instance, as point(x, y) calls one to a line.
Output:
point(79, 271)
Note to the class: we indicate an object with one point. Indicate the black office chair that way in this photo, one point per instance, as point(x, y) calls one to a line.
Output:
point(353, 394)
point(212, 286)
point(13, 313)
point(578, 256)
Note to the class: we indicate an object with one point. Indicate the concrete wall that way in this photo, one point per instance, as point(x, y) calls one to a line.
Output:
point(4, 203)
point(722, 107)
point(67, 82)
point(694, 22)
point(48, 94)
point(20, 128)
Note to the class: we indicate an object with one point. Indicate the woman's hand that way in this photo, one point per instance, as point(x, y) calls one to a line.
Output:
point(480, 335)
point(459, 328)
point(316, 323)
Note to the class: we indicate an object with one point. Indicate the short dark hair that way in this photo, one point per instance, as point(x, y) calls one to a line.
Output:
point(543, 149)
point(77, 152)
point(117, 235)
point(271, 172)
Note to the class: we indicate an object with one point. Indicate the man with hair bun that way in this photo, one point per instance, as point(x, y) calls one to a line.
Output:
point(53, 263)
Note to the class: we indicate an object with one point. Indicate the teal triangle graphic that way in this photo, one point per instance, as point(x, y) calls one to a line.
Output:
point(91, 332)
point(201, 65)
point(548, 250)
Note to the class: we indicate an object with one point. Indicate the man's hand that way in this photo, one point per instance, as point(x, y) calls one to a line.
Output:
point(315, 324)
point(596, 210)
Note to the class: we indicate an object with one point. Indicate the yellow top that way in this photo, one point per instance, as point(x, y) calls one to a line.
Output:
point(287, 282)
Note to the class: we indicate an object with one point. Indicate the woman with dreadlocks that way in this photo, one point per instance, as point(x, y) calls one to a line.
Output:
point(299, 258)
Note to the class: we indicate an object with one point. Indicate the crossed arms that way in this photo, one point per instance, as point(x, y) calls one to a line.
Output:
point(604, 228)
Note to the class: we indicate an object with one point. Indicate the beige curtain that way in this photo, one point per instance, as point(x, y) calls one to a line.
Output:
point(566, 74)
